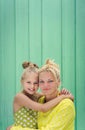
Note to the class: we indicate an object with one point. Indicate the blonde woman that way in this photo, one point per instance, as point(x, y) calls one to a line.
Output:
point(62, 116)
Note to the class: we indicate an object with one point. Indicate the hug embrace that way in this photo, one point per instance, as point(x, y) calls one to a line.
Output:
point(50, 109)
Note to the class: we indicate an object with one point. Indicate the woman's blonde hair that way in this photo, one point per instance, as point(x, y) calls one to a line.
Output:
point(28, 67)
point(52, 67)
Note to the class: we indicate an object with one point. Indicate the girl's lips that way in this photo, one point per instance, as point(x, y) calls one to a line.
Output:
point(31, 89)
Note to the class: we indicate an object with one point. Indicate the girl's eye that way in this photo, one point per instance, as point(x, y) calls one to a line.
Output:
point(36, 83)
point(28, 82)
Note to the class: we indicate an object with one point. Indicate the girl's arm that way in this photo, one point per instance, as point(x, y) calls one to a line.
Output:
point(8, 128)
point(22, 100)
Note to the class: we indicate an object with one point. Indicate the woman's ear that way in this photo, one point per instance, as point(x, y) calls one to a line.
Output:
point(58, 82)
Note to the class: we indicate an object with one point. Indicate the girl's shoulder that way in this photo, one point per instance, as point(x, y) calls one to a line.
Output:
point(16, 105)
point(18, 95)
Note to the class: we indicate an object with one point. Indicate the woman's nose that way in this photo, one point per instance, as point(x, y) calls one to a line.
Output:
point(45, 84)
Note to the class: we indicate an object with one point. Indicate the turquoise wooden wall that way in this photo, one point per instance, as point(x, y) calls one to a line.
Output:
point(36, 30)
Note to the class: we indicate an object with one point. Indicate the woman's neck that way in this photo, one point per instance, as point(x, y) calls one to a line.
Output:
point(51, 96)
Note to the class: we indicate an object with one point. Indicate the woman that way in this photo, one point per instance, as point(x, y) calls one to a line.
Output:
point(62, 116)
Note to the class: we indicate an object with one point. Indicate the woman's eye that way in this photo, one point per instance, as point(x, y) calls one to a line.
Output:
point(50, 81)
point(41, 82)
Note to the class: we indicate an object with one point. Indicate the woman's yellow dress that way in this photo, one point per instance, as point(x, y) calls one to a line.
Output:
point(61, 117)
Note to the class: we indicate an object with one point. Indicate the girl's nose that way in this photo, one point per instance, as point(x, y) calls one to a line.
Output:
point(32, 85)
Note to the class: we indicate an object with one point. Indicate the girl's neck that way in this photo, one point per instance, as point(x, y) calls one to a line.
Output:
point(51, 96)
point(33, 96)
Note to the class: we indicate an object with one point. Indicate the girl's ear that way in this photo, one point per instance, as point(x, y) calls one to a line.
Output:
point(22, 82)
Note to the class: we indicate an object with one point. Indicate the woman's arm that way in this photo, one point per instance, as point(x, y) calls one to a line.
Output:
point(22, 100)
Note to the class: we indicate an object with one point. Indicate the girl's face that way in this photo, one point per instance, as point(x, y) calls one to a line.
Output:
point(47, 83)
point(30, 83)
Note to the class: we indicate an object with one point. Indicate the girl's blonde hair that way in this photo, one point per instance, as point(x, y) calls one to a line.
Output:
point(52, 67)
point(28, 68)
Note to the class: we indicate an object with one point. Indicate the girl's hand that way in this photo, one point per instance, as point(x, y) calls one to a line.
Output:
point(67, 94)
point(64, 91)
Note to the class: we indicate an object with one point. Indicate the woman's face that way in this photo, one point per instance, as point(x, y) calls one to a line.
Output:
point(47, 83)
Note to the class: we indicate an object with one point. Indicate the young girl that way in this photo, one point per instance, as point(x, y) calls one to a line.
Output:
point(26, 102)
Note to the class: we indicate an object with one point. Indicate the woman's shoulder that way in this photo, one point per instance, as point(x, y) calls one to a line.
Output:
point(67, 103)
point(42, 99)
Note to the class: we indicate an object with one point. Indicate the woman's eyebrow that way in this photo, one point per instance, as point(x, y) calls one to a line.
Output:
point(50, 79)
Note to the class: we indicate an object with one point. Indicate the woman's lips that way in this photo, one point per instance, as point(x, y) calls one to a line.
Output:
point(46, 89)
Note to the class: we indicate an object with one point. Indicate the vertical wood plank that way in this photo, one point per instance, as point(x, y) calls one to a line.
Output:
point(7, 56)
point(35, 30)
point(68, 44)
point(80, 63)
point(22, 37)
point(51, 30)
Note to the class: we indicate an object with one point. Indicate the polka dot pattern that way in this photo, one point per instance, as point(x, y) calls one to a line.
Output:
point(26, 118)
